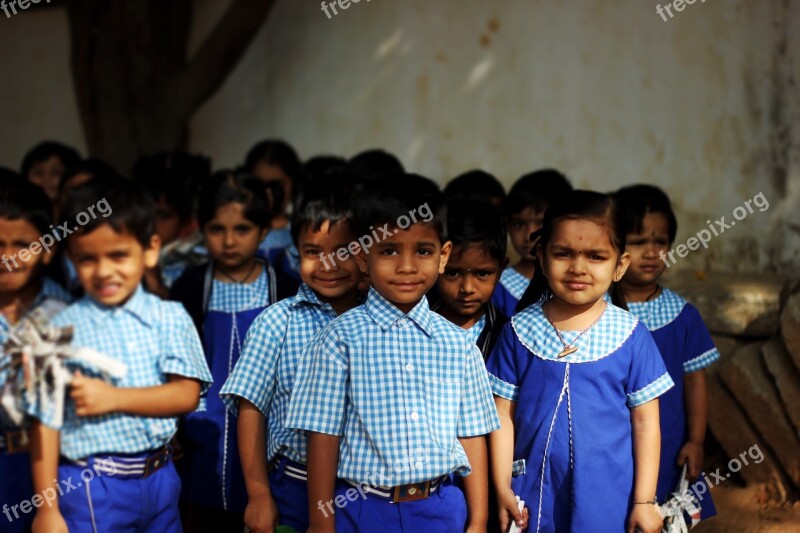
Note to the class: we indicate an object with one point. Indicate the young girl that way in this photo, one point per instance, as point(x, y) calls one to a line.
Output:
point(25, 215)
point(679, 332)
point(575, 381)
point(223, 297)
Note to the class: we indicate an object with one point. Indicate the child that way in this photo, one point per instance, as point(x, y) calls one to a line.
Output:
point(476, 185)
point(524, 209)
point(261, 384)
point(576, 382)
point(476, 259)
point(396, 397)
point(131, 422)
point(223, 296)
point(25, 216)
point(46, 163)
point(374, 164)
point(679, 332)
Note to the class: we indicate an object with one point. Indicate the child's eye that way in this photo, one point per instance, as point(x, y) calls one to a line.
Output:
point(388, 251)
point(518, 224)
point(452, 274)
point(635, 242)
point(311, 252)
point(662, 242)
point(483, 274)
point(596, 257)
point(119, 255)
point(424, 251)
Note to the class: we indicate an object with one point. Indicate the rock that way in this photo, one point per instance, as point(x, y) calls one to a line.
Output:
point(786, 377)
point(734, 304)
point(746, 377)
point(790, 327)
point(727, 346)
point(735, 434)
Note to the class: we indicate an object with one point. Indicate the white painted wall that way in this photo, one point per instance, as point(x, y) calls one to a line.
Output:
point(606, 91)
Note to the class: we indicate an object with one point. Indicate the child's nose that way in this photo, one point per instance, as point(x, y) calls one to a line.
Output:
point(406, 263)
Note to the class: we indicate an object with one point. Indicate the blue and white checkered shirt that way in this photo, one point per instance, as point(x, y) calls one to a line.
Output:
point(155, 338)
point(400, 389)
point(265, 373)
point(235, 297)
point(514, 282)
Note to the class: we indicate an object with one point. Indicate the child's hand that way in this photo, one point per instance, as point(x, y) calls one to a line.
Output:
point(645, 519)
point(691, 453)
point(509, 511)
point(261, 515)
point(49, 521)
point(92, 396)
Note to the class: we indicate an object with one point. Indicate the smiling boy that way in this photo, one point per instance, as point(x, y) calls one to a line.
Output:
point(395, 397)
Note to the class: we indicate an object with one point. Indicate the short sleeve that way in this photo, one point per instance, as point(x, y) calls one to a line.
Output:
point(478, 415)
point(254, 376)
point(647, 377)
point(699, 350)
point(182, 354)
point(319, 396)
point(502, 365)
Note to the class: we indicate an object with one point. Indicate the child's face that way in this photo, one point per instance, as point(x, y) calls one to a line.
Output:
point(232, 239)
point(646, 248)
point(269, 173)
point(46, 174)
point(332, 278)
point(167, 221)
point(580, 262)
point(469, 279)
point(111, 264)
point(520, 226)
point(15, 273)
point(404, 266)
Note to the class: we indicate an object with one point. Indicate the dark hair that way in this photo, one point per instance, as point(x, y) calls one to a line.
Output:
point(20, 198)
point(226, 187)
point(470, 223)
point(8, 174)
point(385, 201)
point(44, 151)
point(536, 190)
point(331, 198)
point(636, 201)
point(577, 205)
point(130, 208)
point(374, 163)
point(95, 168)
point(324, 165)
point(175, 176)
point(274, 152)
point(474, 185)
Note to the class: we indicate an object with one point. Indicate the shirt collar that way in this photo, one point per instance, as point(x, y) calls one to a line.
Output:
point(137, 305)
point(385, 314)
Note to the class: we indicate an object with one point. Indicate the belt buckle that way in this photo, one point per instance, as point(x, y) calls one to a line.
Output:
point(17, 441)
point(156, 461)
point(411, 492)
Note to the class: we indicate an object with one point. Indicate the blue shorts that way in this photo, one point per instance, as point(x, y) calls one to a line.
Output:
point(444, 510)
point(290, 493)
point(94, 502)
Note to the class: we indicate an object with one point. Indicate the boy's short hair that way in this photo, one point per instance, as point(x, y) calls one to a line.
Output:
point(399, 201)
point(175, 176)
point(476, 185)
point(636, 201)
point(536, 190)
point(226, 187)
point(129, 208)
point(21, 199)
point(470, 223)
point(323, 165)
point(44, 151)
point(276, 153)
point(329, 198)
point(375, 163)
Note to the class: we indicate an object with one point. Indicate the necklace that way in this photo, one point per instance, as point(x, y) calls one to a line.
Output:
point(658, 287)
point(571, 348)
point(255, 263)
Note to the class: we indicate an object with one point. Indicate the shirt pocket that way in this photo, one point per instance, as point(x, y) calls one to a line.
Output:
point(443, 406)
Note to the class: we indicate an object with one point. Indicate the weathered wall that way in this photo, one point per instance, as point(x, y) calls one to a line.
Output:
point(704, 104)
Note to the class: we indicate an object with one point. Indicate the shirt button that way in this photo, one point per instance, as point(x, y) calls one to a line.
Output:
point(410, 367)
point(414, 416)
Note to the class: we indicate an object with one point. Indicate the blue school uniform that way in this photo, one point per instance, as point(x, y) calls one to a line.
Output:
point(400, 390)
point(15, 461)
point(154, 339)
point(265, 376)
point(573, 449)
point(509, 290)
point(211, 469)
point(686, 346)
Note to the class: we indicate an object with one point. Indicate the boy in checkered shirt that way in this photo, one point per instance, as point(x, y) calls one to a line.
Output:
point(115, 436)
point(260, 386)
point(395, 397)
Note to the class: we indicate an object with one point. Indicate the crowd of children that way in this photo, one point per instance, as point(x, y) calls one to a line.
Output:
point(339, 345)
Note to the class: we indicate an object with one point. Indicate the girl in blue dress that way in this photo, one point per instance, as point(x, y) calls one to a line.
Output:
point(576, 382)
point(679, 332)
point(223, 297)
